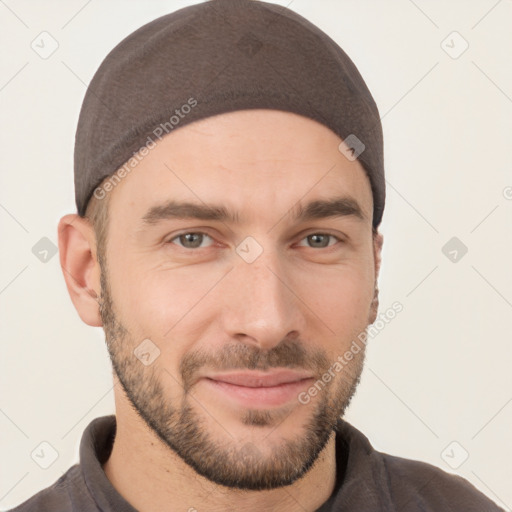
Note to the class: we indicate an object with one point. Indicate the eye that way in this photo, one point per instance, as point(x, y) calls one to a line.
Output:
point(320, 240)
point(191, 240)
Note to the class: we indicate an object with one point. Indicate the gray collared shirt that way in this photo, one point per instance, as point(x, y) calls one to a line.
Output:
point(366, 481)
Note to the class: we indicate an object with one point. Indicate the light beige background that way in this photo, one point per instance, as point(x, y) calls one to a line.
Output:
point(438, 373)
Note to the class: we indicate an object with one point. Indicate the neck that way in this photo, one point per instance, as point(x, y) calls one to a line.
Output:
point(152, 477)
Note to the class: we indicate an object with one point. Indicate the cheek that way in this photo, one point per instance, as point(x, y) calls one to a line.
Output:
point(161, 302)
point(153, 305)
point(340, 295)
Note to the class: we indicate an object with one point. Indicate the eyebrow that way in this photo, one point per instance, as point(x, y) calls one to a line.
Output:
point(319, 209)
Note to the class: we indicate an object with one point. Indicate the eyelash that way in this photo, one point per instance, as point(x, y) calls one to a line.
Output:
point(206, 234)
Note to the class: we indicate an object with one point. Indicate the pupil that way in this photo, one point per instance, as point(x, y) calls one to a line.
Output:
point(189, 239)
point(318, 240)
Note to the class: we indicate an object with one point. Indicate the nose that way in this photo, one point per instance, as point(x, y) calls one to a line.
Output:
point(259, 304)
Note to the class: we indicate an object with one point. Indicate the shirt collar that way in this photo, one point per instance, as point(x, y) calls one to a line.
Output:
point(361, 482)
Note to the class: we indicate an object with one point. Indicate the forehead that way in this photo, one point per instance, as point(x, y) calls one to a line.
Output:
point(259, 162)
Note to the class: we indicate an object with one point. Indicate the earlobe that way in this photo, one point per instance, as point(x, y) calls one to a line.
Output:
point(81, 270)
point(374, 306)
point(377, 253)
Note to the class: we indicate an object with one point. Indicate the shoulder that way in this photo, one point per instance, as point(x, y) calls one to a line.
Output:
point(417, 485)
point(60, 496)
point(389, 482)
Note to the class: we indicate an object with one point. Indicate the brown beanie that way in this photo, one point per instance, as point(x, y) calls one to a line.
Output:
point(216, 57)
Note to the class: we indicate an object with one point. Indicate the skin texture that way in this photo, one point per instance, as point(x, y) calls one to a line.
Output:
point(181, 444)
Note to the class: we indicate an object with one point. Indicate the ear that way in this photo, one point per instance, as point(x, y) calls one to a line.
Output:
point(378, 240)
point(77, 249)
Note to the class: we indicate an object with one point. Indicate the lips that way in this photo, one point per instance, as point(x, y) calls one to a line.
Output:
point(260, 390)
point(254, 379)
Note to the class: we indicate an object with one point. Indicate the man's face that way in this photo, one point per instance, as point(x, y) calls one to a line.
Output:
point(229, 298)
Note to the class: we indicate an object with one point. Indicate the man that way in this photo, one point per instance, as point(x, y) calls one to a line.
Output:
point(229, 185)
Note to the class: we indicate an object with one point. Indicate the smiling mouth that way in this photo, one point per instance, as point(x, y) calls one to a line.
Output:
point(259, 389)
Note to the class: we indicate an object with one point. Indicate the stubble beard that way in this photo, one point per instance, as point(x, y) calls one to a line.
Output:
point(185, 430)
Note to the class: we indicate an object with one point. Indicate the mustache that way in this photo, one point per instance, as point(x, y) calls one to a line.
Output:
point(290, 353)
